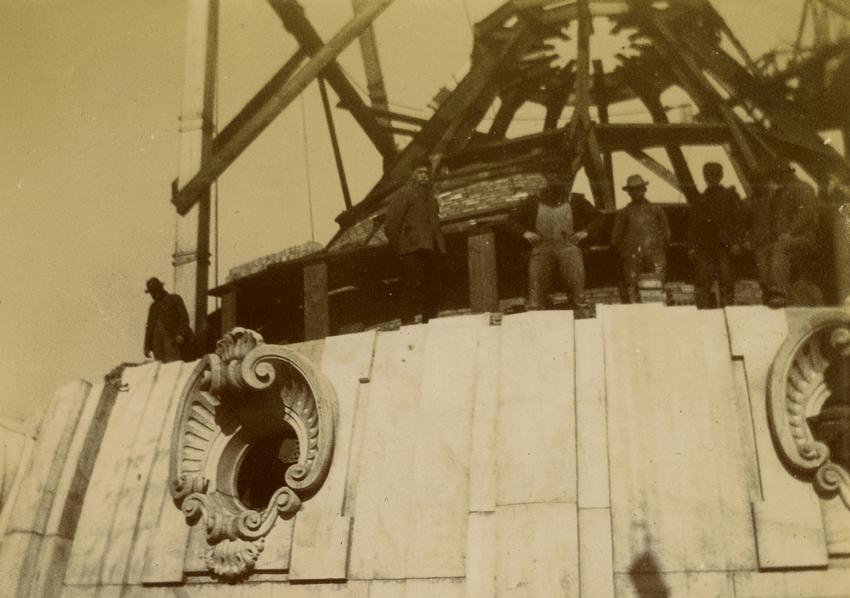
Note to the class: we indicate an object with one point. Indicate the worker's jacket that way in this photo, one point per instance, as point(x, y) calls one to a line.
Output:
point(585, 216)
point(716, 219)
point(412, 220)
point(789, 210)
point(168, 319)
point(640, 224)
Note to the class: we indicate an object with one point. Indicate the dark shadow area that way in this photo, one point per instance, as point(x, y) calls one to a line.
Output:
point(646, 577)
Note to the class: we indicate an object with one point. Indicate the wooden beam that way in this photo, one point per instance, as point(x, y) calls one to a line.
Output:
point(600, 96)
point(219, 161)
point(650, 96)
point(255, 104)
point(340, 167)
point(316, 305)
point(446, 120)
point(692, 78)
point(291, 14)
point(483, 271)
point(372, 68)
point(511, 102)
point(656, 168)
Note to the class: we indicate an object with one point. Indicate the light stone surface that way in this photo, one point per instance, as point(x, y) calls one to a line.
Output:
point(788, 521)
point(542, 457)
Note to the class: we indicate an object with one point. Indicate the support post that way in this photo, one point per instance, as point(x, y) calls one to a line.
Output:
point(228, 311)
point(316, 307)
point(600, 92)
point(191, 253)
point(483, 272)
point(841, 251)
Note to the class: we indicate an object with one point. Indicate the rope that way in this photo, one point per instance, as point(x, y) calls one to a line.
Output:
point(307, 166)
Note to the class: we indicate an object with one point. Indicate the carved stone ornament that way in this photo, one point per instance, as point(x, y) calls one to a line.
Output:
point(245, 392)
point(809, 402)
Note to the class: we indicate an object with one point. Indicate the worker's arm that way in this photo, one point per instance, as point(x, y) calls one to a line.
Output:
point(665, 225)
point(396, 209)
point(806, 214)
point(619, 228)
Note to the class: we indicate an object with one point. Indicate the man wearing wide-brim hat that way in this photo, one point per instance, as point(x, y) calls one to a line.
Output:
point(784, 228)
point(168, 336)
point(641, 234)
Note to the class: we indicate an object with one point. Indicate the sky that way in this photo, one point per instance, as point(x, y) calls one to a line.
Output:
point(90, 94)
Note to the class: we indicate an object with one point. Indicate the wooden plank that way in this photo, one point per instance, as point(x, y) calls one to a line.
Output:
point(537, 550)
point(591, 416)
point(382, 511)
point(789, 507)
point(160, 549)
point(483, 274)
point(316, 307)
point(536, 411)
point(482, 458)
point(596, 553)
point(320, 543)
point(436, 540)
point(481, 555)
point(137, 469)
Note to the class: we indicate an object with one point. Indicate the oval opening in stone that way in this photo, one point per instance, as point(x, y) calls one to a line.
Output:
point(263, 470)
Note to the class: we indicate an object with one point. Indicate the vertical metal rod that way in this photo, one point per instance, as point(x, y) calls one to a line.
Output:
point(340, 169)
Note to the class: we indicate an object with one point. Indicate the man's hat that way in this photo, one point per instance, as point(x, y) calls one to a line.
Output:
point(153, 284)
point(635, 181)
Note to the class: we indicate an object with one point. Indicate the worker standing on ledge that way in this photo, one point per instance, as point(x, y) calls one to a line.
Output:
point(784, 229)
point(641, 234)
point(555, 223)
point(714, 236)
point(412, 225)
point(168, 336)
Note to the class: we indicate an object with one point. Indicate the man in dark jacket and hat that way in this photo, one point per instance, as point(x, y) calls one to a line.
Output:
point(715, 234)
point(168, 336)
point(412, 225)
point(784, 229)
point(641, 235)
point(555, 223)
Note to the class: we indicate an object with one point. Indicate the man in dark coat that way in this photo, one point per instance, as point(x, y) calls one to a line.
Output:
point(784, 229)
point(714, 236)
point(168, 336)
point(555, 223)
point(641, 234)
point(412, 225)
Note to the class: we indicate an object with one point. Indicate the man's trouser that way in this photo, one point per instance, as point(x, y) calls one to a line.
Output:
point(640, 259)
point(774, 264)
point(419, 293)
point(546, 257)
point(708, 264)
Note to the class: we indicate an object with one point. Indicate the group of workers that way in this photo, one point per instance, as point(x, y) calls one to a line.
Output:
point(778, 227)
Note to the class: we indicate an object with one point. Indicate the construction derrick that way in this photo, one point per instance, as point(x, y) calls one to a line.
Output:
point(584, 65)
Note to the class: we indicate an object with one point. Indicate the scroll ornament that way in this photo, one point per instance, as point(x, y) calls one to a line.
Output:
point(217, 422)
point(809, 402)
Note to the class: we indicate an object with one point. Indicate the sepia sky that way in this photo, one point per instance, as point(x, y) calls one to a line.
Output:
point(90, 92)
